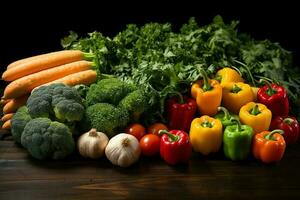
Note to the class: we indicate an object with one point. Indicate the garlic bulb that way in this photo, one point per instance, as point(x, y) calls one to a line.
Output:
point(92, 144)
point(123, 150)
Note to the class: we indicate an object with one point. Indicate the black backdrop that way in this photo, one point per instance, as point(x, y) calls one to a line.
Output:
point(29, 29)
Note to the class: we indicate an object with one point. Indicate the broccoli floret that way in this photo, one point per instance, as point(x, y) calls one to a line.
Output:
point(135, 103)
point(110, 91)
point(18, 123)
point(44, 139)
point(105, 118)
point(39, 105)
point(68, 110)
point(57, 102)
point(81, 89)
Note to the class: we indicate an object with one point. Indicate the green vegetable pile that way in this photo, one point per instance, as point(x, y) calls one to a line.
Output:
point(112, 104)
point(162, 62)
point(46, 125)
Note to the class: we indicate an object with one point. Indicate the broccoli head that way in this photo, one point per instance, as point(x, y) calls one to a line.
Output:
point(105, 118)
point(109, 90)
point(44, 139)
point(57, 102)
point(135, 103)
point(18, 123)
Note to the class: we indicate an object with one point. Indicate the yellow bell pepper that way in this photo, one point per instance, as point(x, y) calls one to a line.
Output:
point(229, 75)
point(208, 95)
point(206, 135)
point(235, 95)
point(256, 115)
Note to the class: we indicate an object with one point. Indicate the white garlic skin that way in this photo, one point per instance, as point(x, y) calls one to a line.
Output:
point(123, 150)
point(92, 144)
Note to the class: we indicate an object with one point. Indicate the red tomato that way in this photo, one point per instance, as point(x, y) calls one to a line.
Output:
point(137, 130)
point(156, 127)
point(150, 144)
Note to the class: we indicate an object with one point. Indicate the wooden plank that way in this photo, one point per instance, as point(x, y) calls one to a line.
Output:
point(22, 177)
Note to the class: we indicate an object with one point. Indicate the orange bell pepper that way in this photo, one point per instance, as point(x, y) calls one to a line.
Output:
point(208, 95)
point(269, 146)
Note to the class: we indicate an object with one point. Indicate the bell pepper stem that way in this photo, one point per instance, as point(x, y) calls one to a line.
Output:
point(269, 136)
point(181, 100)
point(270, 91)
point(255, 110)
point(225, 111)
point(218, 78)
point(206, 85)
point(235, 89)
point(288, 121)
point(248, 71)
point(237, 69)
point(238, 123)
point(172, 137)
point(206, 124)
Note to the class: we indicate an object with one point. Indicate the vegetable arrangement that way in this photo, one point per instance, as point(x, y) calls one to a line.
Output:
point(66, 66)
point(150, 91)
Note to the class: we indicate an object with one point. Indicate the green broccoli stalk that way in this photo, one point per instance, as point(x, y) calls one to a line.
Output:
point(105, 118)
point(135, 103)
point(18, 123)
point(44, 139)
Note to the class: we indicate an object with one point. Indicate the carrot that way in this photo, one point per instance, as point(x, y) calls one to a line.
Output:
point(13, 105)
point(25, 84)
point(86, 77)
point(24, 60)
point(42, 63)
point(6, 125)
point(4, 101)
point(7, 117)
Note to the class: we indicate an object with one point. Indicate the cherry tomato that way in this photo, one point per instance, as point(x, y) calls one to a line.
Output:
point(156, 127)
point(137, 130)
point(150, 144)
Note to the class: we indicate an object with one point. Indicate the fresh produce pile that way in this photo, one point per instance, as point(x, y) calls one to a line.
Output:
point(152, 91)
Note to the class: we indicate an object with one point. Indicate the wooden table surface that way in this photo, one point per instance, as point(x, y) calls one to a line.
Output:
point(213, 177)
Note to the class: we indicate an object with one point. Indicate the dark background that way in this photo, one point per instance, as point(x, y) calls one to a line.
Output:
point(32, 28)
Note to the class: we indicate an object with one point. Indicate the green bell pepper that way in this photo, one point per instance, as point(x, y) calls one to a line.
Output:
point(225, 117)
point(237, 141)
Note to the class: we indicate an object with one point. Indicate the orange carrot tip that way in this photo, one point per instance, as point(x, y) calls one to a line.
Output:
point(6, 125)
point(7, 117)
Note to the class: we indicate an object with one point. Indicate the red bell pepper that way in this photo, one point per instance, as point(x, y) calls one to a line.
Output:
point(175, 146)
point(289, 125)
point(180, 112)
point(275, 98)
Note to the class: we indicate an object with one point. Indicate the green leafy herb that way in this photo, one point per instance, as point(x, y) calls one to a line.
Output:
point(161, 61)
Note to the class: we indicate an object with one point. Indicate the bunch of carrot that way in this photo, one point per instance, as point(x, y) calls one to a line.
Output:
point(68, 66)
